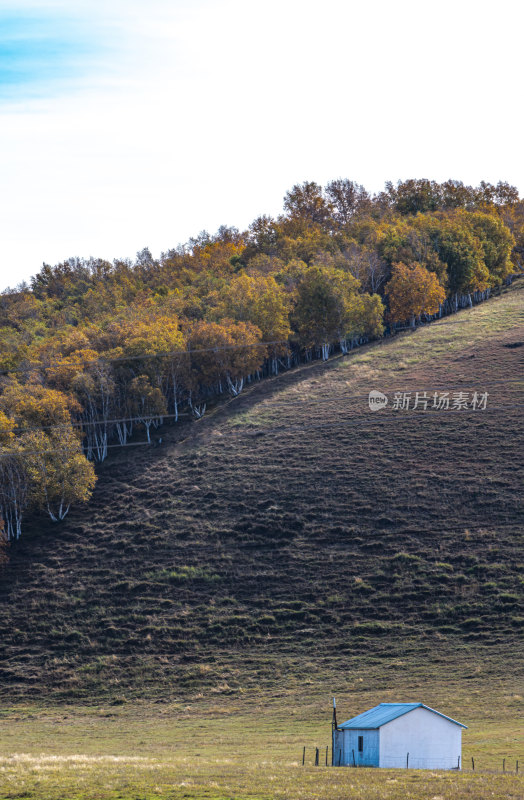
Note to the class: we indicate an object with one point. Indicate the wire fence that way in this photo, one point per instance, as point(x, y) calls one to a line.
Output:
point(324, 757)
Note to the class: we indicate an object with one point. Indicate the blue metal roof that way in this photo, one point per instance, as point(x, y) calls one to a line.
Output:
point(385, 712)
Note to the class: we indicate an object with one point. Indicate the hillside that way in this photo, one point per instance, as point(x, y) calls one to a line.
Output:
point(92, 351)
point(292, 531)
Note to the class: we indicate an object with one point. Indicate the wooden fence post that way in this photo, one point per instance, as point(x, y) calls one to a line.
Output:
point(303, 756)
point(327, 748)
point(354, 762)
point(503, 765)
point(339, 757)
point(407, 761)
point(472, 763)
point(316, 756)
point(517, 766)
point(458, 763)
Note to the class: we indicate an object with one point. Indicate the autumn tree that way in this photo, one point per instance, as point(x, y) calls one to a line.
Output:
point(346, 199)
point(146, 403)
point(14, 481)
point(90, 380)
point(291, 276)
point(513, 218)
point(262, 238)
point(413, 291)
point(454, 194)
point(306, 202)
point(58, 471)
point(324, 299)
point(152, 345)
point(222, 354)
point(14, 490)
point(369, 316)
point(19, 309)
point(461, 251)
point(497, 244)
point(414, 196)
point(36, 406)
point(420, 195)
point(366, 265)
point(259, 300)
point(262, 264)
point(214, 254)
point(243, 356)
point(500, 194)
point(42, 460)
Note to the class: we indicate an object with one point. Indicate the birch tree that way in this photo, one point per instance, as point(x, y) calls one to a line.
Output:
point(14, 491)
point(323, 302)
point(59, 472)
point(14, 483)
point(87, 379)
point(94, 387)
point(258, 300)
point(147, 403)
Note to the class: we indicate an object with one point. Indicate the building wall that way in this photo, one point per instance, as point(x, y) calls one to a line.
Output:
point(347, 742)
point(431, 741)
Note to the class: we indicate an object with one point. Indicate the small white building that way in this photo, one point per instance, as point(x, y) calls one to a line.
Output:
point(399, 735)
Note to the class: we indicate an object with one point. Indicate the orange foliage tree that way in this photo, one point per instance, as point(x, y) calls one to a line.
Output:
point(222, 356)
point(413, 291)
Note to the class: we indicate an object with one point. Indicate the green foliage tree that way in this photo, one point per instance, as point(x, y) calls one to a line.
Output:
point(459, 249)
point(414, 196)
point(324, 300)
point(497, 244)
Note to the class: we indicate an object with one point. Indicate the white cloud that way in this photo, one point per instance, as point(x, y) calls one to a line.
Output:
point(206, 113)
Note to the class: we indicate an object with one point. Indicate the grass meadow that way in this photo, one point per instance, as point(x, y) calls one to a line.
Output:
point(251, 746)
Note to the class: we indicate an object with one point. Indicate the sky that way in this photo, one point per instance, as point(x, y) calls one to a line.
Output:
point(126, 124)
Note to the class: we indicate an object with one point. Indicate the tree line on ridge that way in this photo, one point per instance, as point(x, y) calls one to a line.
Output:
point(91, 350)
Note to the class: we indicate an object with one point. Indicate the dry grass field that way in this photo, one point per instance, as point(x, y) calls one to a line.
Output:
point(248, 747)
point(182, 636)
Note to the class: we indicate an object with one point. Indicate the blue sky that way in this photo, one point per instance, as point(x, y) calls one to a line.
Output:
point(126, 124)
point(38, 50)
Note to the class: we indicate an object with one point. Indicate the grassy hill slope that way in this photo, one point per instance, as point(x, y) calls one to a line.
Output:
point(293, 533)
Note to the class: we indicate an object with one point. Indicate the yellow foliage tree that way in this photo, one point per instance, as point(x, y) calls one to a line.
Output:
point(259, 300)
point(59, 472)
point(44, 463)
point(33, 405)
point(413, 291)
